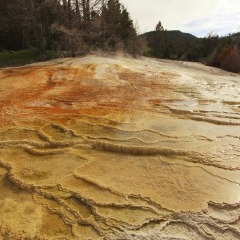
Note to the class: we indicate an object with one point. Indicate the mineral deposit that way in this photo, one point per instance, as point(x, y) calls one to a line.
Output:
point(119, 148)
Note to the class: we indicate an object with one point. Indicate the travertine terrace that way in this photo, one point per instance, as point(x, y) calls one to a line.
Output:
point(119, 148)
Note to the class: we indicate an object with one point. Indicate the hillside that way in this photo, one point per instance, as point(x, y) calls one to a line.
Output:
point(119, 148)
point(174, 35)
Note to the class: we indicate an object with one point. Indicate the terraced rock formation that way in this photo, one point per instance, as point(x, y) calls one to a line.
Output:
point(117, 148)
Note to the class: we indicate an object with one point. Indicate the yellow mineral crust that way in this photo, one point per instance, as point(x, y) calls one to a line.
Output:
point(119, 148)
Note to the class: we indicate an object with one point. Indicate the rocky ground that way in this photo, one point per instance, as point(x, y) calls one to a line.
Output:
point(119, 148)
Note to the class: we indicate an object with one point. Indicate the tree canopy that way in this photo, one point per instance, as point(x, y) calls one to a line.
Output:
point(74, 26)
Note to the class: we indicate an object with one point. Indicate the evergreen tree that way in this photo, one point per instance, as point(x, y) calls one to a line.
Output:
point(159, 43)
point(167, 45)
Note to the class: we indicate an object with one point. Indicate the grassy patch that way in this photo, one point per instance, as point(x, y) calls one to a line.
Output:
point(148, 52)
point(23, 57)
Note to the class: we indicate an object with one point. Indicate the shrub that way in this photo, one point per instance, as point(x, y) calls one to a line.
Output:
point(221, 57)
point(211, 61)
point(232, 61)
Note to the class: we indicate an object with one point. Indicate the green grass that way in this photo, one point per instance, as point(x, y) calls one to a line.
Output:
point(148, 52)
point(23, 57)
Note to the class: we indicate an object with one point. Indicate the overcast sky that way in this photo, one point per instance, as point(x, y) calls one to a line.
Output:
point(198, 17)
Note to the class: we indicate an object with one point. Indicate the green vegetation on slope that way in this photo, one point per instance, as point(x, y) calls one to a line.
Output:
point(23, 57)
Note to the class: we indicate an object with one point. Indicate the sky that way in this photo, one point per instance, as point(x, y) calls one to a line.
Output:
point(198, 17)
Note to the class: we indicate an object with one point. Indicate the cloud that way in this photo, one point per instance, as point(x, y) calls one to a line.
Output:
point(198, 17)
point(221, 24)
point(237, 29)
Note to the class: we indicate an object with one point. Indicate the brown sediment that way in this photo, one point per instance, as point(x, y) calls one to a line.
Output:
point(100, 148)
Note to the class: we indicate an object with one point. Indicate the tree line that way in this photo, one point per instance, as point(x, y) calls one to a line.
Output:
point(73, 26)
point(221, 52)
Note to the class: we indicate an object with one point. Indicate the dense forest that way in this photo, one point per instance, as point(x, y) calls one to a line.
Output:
point(77, 27)
point(221, 52)
point(73, 26)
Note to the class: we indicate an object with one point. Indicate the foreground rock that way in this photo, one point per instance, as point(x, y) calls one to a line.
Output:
point(100, 148)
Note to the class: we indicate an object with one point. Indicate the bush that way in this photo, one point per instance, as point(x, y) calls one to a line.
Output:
point(232, 61)
point(211, 61)
point(221, 57)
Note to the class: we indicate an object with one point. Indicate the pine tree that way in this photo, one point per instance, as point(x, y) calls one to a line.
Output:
point(159, 44)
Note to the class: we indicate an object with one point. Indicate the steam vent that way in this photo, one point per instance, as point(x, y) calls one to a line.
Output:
point(119, 148)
